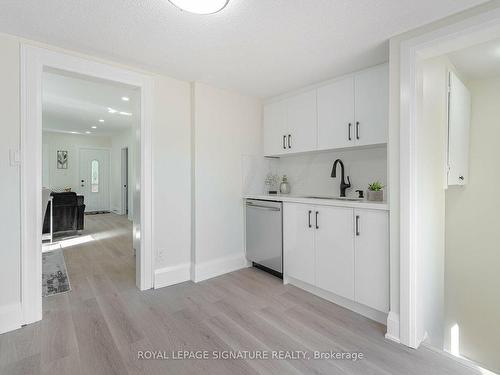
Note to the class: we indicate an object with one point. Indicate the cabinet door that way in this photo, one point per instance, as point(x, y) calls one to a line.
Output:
point(459, 108)
point(302, 122)
point(336, 114)
point(372, 258)
point(298, 242)
point(275, 128)
point(335, 250)
point(371, 104)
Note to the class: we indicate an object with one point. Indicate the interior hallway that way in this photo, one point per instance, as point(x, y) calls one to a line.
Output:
point(100, 325)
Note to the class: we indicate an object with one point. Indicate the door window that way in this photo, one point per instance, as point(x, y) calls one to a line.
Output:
point(94, 176)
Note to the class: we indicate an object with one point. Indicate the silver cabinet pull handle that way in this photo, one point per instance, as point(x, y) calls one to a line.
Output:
point(317, 226)
point(357, 129)
point(284, 142)
point(349, 131)
point(357, 225)
point(289, 141)
point(309, 220)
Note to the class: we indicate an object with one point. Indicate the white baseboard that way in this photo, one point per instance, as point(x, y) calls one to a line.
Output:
point(220, 266)
point(393, 327)
point(462, 360)
point(366, 311)
point(172, 275)
point(10, 317)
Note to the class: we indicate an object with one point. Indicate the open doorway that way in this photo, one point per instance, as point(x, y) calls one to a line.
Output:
point(88, 127)
point(35, 62)
point(449, 229)
point(460, 112)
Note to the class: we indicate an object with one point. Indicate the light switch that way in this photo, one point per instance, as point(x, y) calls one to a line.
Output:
point(14, 157)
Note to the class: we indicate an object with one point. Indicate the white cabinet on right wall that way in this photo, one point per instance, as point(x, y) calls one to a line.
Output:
point(459, 112)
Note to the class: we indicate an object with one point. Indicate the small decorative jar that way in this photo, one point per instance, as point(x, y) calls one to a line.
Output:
point(285, 185)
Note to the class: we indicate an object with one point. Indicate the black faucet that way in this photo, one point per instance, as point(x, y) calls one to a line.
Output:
point(343, 184)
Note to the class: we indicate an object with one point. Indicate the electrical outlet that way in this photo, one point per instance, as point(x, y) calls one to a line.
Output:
point(14, 158)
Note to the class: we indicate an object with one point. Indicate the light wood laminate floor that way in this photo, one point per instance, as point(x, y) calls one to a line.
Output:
point(99, 327)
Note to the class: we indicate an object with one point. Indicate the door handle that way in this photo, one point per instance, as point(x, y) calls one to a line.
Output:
point(357, 129)
point(289, 141)
point(317, 226)
point(309, 221)
point(357, 225)
point(284, 142)
point(349, 131)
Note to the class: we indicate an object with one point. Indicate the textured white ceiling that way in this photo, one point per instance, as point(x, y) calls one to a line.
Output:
point(76, 103)
point(258, 47)
point(481, 61)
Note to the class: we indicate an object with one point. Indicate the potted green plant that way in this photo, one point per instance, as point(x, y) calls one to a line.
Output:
point(375, 191)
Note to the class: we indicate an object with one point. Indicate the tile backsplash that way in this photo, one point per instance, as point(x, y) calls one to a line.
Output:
point(309, 174)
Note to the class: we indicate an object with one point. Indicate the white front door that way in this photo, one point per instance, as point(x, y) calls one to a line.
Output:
point(94, 179)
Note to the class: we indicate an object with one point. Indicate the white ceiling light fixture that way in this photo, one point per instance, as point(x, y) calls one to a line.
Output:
point(101, 120)
point(111, 110)
point(200, 6)
point(125, 113)
point(94, 127)
point(87, 132)
point(125, 98)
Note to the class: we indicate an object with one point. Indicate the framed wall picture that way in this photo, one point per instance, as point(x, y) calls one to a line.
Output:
point(62, 159)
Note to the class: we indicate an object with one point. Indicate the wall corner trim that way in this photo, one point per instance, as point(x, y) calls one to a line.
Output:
point(219, 266)
point(10, 317)
point(393, 327)
point(172, 275)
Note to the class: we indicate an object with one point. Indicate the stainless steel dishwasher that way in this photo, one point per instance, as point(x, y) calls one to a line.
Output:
point(264, 235)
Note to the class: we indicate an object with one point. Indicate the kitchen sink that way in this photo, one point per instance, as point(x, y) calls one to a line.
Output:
point(334, 198)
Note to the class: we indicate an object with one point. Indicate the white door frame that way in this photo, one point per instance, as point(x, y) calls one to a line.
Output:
point(473, 30)
point(108, 150)
point(33, 61)
point(124, 179)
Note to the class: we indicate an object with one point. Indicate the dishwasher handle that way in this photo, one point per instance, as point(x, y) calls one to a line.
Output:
point(259, 207)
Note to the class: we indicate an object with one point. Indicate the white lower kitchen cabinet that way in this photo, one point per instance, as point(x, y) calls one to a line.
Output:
point(341, 250)
point(372, 259)
point(335, 250)
point(298, 242)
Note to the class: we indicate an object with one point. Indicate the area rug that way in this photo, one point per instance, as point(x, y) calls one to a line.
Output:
point(54, 273)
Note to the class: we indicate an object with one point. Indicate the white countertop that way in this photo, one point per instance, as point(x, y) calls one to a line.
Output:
point(318, 201)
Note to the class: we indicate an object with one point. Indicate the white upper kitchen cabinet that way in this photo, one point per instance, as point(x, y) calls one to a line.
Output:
point(302, 122)
point(336, 114)
point(372, 258)
point(371, 103)
point(335, 250)
point(275, 128)
point(298, 242)
point(459, 112)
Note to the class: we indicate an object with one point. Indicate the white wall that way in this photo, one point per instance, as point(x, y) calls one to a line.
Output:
point(10, 187)
point(432, 139)
point(227, 128)
point(171, 174)
point(310, 174)
point(53, 142)
point(472, 276)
